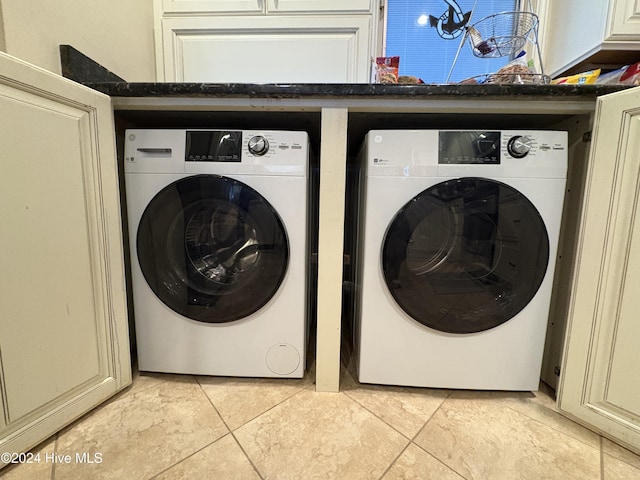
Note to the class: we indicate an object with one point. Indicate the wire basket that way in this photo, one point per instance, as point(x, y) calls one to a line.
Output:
point(501, 34)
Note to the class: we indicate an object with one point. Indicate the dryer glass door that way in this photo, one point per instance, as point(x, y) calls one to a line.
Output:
point(212, 248)
point(465, 255)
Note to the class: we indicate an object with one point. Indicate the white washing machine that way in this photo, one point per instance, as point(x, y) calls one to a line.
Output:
point(218, 234)
point(459, 240)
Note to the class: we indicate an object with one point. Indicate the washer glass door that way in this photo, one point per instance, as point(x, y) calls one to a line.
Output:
point(465, 255)
point(212, 248)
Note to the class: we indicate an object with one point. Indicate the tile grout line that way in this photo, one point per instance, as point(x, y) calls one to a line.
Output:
point(411, 440)
point(231, 432)
point(255, 468)
point(619, 457)
point(188, 456)
point(376, 416)
point(193, 377)
point(394, 461)
point(269, 409)
point(423, 427)
point(554, 428)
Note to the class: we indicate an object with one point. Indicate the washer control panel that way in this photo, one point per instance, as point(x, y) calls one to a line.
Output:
point(475, 147)
point(221, 151)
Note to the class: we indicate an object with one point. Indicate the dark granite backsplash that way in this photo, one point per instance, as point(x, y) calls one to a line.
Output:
point(78, 67)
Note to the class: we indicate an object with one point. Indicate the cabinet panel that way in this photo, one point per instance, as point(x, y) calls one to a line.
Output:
point(262, 6)
point(325, 6)
point(267, 49)
point(222, 7)
point(625, 20)
point(624, 382)
point(50, 288)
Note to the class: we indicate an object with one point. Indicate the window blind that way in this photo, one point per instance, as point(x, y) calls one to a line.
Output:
point(426, 36)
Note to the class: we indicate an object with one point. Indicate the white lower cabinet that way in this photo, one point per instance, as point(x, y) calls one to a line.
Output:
point(307, 49)
point(64, 344)
point(600, 379)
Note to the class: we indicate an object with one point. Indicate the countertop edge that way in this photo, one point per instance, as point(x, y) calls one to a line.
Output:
point(336, 91)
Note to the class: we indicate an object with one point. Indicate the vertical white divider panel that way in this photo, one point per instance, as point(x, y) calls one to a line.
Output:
point(333, 156)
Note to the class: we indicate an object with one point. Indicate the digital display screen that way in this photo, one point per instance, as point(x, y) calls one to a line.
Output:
point(469, 148)
point(213, 146)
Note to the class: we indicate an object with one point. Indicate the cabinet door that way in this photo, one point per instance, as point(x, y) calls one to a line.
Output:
point(325, 6)
point(63, 320)
point(625, 20)
point(270, 49)
point(600, 378)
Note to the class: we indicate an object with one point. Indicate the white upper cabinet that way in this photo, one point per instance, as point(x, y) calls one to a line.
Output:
point(318, 6)
point(265, 41)
point(581, 34)
point(223, 7)
point(625, 20)
point(275, 49)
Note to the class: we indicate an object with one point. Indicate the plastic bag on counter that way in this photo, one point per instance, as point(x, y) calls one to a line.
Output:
point(627, 75)
point(585, 78)
point(387, 69)
point(516, 71)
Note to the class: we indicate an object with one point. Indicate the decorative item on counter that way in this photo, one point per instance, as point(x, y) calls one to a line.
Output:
point(627, 75)
point(585, 78)
point(387, 69)
point(500, 35)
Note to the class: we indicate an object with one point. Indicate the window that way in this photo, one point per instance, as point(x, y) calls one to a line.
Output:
point(426, 35)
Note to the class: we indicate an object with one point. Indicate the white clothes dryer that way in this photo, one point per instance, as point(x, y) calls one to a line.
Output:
point(218, 234)
point(459, 240)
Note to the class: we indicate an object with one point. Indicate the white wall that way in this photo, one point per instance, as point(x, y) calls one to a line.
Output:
point(2, 44)
point(118, 34)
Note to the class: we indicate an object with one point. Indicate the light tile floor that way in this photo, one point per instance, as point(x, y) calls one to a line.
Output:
point(174, 427)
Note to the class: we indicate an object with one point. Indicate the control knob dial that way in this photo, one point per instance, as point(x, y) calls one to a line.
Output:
point(519, 146)
point(258, 145)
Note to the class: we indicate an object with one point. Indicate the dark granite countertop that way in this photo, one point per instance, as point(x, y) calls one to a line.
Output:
point(351, 90)
point(83, 69)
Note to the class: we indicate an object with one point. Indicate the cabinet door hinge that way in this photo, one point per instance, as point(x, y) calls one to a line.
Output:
point(586, 137)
